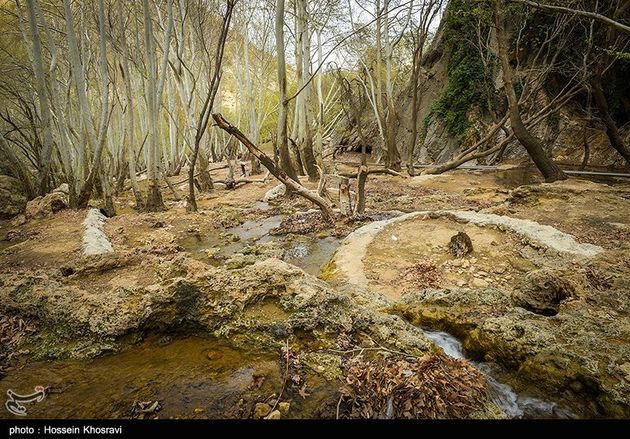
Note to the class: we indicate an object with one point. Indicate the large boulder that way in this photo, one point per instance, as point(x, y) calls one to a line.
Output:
point(42, 207)
point(12, 197)
point(542, 291)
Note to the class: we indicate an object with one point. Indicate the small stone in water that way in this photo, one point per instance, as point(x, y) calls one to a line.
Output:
point(275, 415)
point(261, 410)
point(213, 355)
point(284, 407)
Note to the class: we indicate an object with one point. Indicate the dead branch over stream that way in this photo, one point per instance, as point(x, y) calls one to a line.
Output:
point(268, 163)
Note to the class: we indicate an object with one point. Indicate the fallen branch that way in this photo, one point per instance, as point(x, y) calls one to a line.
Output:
point(370, 172)
point(268, 163)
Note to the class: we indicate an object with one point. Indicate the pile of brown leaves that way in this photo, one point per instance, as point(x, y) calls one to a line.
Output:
point(597, 279)
point(423, 274)
point(432, 387)
point(13, 330)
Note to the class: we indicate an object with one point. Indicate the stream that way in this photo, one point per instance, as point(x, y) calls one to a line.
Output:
point(309, 254)
point(516, 406)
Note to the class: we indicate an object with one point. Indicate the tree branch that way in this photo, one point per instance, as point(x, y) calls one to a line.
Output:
point(565, 10)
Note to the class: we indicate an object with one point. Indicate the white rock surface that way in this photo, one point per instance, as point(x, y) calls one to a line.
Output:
point(95, 242)
point(274, 193)
point(349, 256)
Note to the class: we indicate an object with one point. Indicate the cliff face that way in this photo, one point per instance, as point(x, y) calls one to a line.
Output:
point(464, 88)
point(461, 89)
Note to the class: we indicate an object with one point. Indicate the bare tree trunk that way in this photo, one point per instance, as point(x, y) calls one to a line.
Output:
point(45, 155)
point(95, 140)
point(303, 61)
point(533, 145)
point(282, 136)
point(279, 173)
point(130, 150)
point(108, 201)
point(616, 141)
point(18, 167)
point(206, 109)
point(154, 200)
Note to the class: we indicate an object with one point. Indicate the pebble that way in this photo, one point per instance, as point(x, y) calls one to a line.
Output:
point(261, 410)
point(284, 407)
point(213, 355)
point(275, 415)
point(479, 283)
point(461, 283)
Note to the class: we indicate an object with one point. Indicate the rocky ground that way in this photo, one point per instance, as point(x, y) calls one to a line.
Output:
point(279, 342)
point(551, 308)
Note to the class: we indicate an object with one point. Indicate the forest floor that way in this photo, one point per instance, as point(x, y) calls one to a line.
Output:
point(205, 314)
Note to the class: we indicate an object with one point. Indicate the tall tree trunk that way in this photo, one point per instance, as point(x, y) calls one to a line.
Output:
point(282, 135)
point(204, 116)
point(96, 140)
point(616, 141)
point(18, 167)
point(154, 200)
point(533, 145)
point(45, 156)
point(303, 103)
point(130, 149)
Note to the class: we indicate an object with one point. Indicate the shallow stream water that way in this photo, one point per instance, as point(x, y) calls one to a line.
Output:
point(310, 254)
point(515, 405)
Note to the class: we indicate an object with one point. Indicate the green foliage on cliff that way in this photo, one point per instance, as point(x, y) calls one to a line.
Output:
point(467, 74)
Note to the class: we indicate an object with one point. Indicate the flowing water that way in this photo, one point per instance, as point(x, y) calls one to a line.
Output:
point(515, 405)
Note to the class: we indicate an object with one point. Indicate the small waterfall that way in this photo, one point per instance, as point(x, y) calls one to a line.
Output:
point(514, 405)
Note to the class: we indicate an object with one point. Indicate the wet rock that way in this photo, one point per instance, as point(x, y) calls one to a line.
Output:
point(49, 204)
point(213, 355)
point(240, 260)
point(261, 410)
point(235, 304)
point(541, 291)
point(460, 245)
point(12, 197)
